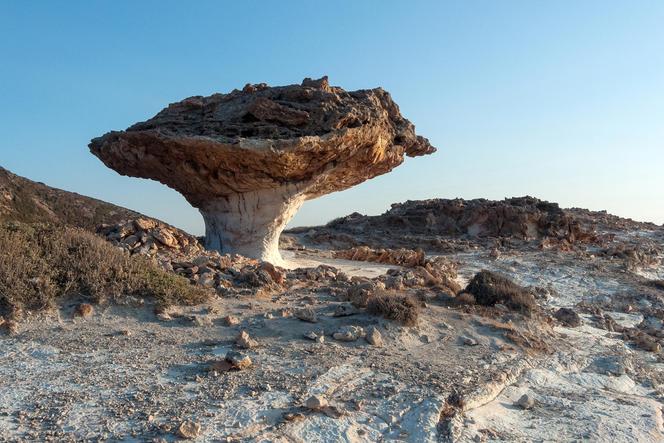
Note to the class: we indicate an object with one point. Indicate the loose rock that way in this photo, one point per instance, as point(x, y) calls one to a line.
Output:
point(307, 314)
point(238, 360)
point(316, 402)
point(526, 402)
point(318, 336)
point(231, 320)
point(469, 341)
point(374, 337)
point(189, 429)
point(568, 317)
point(345, 309)
point(244, 341)
point(349, 333)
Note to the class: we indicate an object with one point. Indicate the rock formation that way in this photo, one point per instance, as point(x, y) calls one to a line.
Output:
point(249, 159)
point(444, 224)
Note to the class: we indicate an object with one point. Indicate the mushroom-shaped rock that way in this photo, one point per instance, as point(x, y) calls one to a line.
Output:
point(249, 159)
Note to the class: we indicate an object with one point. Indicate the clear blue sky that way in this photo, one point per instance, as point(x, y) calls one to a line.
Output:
point(563, 100)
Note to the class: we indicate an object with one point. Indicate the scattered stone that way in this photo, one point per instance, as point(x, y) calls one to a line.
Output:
point(374, 337)
point(426, 338)
point(526, 401)
point(292, 416)
point(307, 314)
point(238, 360)
point(244, 341)
point(315, 336)
point(568, 317)
point(469, 341)
point(144, 224)
point(231, 320)
point(349, 333)
point(316, 402)
point(165, 237)
point(345, 309)
point(84, 310)
point(202, 320)
point(164, 316)
point(189, 429)
point(277, 275)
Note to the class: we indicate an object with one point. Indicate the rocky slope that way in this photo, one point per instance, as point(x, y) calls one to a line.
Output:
point(366, 338)
point(28, 201)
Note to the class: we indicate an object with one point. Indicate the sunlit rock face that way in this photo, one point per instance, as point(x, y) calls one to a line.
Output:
point(249, 159)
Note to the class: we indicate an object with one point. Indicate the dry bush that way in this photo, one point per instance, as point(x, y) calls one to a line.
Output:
point(398, 307)
point(39, 263)
point(465, 298)
point(658, 284)
point(490, 288)
point(523, 337)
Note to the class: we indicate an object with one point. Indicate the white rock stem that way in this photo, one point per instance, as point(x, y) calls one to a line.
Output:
point(250, 223)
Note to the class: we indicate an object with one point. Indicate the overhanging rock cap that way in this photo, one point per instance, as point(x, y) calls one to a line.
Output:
point(316, 137)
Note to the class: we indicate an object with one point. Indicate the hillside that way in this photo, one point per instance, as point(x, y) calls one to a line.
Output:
point(28, 201)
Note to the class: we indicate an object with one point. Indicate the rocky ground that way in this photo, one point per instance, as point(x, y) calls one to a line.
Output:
point(302, 355)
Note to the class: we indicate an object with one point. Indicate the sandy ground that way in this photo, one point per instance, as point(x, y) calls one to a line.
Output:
point(124, 375)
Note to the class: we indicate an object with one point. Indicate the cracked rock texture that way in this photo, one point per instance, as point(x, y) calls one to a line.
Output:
point(248, 159)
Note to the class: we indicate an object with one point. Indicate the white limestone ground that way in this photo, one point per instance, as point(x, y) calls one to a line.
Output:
point(588, 390)
point(122, 375)
point(349, 267)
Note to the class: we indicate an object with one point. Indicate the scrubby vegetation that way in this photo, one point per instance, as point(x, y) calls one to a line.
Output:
point(39, 263)
point(26, 201)
point(489, 288)
point(401, 308)
point(658, 284)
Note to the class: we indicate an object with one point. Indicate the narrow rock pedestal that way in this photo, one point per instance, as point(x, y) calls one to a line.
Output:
point(250, 223)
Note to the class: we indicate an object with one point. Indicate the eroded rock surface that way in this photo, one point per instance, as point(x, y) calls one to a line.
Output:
point(250, 158)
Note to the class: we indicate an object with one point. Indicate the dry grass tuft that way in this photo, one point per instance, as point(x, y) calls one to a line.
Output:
point(39, 263)
point(523, 337)
point(465, 298)
point(401, 308)
point(490, 288)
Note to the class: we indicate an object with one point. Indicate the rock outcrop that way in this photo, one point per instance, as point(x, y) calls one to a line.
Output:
point(249, 159)
point(442, 224)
